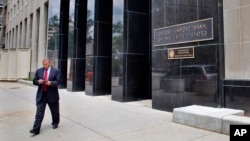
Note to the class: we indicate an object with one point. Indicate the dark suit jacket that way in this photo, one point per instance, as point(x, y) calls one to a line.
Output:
point(52, 91)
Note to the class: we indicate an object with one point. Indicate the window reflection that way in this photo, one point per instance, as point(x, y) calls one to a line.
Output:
point(71, 38)
point(192, 76)
point(53, 30)
point(117, 42)
point(90, 42)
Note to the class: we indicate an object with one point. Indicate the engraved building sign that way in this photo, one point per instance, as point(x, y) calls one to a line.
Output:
point(181, 53)
point(200, 30)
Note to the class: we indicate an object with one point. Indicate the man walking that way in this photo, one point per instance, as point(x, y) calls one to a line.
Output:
point(47, 80)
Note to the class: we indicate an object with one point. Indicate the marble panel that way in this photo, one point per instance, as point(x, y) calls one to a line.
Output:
point(233, 61)
point(244, 24)
point(245, 49)
point(232, 26)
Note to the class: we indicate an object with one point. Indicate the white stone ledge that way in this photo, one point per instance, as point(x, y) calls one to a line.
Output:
point(233, 120)
point(207, 118)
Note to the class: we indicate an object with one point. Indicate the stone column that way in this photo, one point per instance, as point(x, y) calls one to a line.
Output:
point(76, 81)
point(63, 42)
point(99, 58)
point(131, 51)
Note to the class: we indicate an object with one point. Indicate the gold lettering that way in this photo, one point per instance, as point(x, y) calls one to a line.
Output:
point(198, 34)
point(159, 39)
point(204, 26)
point(183, 51)
point(167, 38)
point(200, 26)
point(182, 29)
point(204, 33)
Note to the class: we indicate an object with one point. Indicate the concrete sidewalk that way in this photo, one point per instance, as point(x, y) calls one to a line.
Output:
point(88, 118)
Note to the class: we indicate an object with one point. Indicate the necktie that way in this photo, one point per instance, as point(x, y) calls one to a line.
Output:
point(45, 78)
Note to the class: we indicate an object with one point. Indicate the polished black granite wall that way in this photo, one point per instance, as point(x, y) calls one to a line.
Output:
point(99, 47)
point(176, 91)
point(63, 42)
point(131, 50)
point(58, 37)
point(77, 45)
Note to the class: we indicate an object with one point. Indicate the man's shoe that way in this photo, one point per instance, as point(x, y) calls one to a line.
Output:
point(35, 132)
point(54, 126)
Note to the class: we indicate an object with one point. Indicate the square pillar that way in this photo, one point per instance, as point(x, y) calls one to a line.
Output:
point(77, 40)
point(99, 47)
point(131, 51)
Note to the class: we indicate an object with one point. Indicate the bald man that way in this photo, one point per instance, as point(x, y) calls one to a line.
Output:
point(47, 79)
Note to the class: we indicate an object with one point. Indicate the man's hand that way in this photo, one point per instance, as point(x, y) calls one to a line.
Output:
point(40, 81)
point(48, 83)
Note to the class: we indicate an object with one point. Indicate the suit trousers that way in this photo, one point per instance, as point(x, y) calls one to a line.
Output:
point(41, 106)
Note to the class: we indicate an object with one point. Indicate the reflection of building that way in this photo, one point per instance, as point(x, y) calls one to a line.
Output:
point(128, 65)
point(51, 32)
point(3, 8)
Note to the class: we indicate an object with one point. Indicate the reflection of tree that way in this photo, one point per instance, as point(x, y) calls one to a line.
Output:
point(90, 23)
point(117, 27)
point(54, 21)
point(117, 45)
point(89, 40)
point(117, 37)
point(52, 32)
point(71, 37)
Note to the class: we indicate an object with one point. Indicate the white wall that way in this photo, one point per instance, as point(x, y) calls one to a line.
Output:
point(26, 28)
point(15, 63)
point(237, 38)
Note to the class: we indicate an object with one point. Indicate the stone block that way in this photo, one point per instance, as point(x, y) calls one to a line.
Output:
point(233, 120)
point(207, 118)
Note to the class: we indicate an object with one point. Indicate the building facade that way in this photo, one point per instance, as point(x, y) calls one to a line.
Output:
point(26, 27)
point(175, 52)
point(2, 22)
